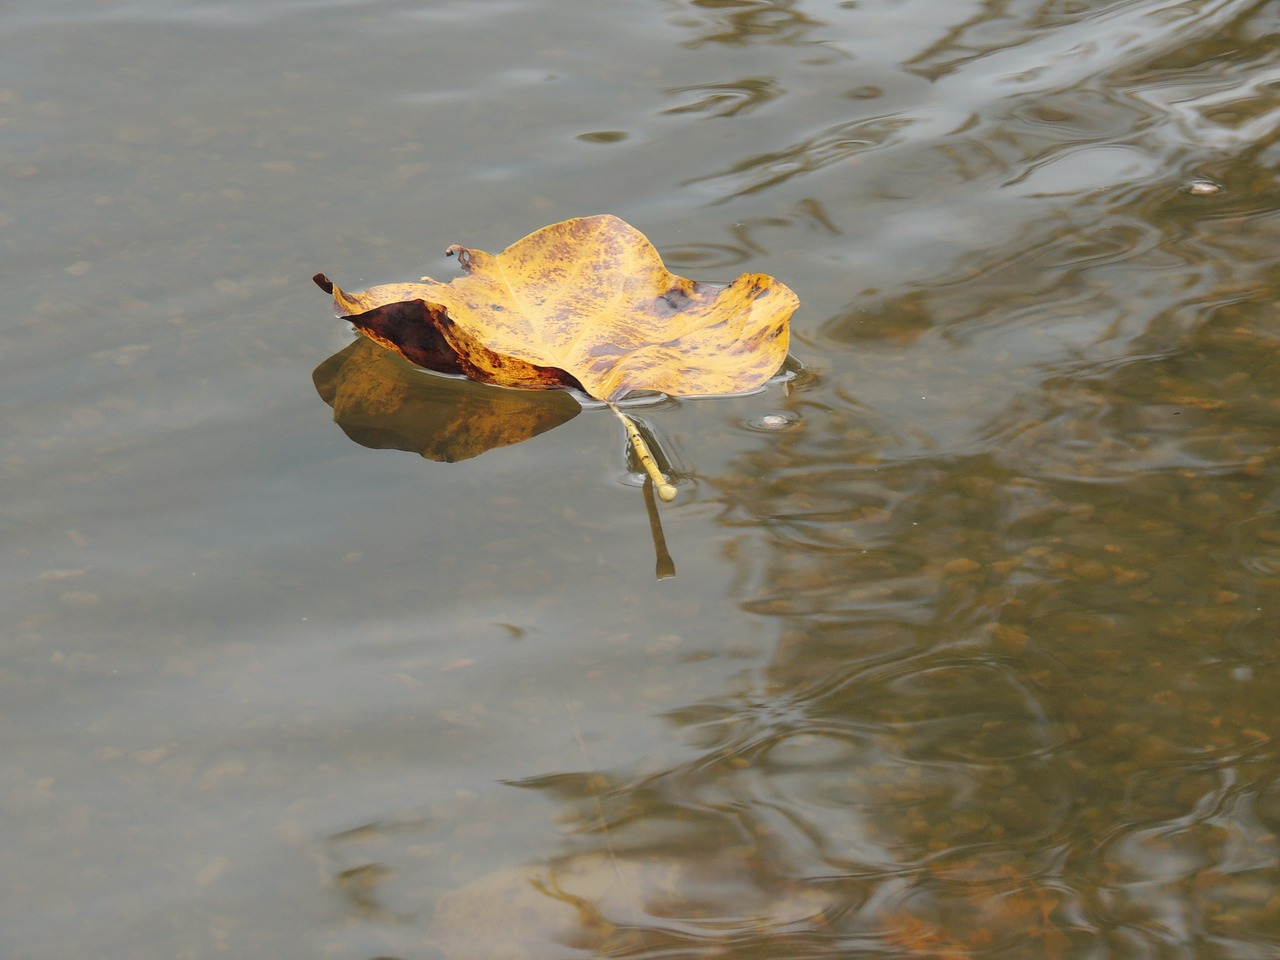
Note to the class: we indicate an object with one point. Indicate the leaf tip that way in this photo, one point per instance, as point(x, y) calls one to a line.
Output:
point(323, 282)
point(465, 257)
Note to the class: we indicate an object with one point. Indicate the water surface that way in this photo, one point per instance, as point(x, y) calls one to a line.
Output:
point(974, 658)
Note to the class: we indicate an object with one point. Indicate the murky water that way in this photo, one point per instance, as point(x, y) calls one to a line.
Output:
point(972, 644)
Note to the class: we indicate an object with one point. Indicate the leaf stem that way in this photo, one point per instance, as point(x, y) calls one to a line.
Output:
point(666, 492)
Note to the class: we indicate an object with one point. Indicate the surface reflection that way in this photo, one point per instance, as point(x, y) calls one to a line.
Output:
point(382, 401)
point(745, 22)
point(1103, 550)
point(727, 99)
point(752, 237)
point(828, 146)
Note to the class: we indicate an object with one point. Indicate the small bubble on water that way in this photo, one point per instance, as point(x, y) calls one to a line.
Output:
point(1203, 188)
point(774, 422)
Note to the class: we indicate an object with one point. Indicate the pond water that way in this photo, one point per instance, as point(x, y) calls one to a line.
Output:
point(970, 647)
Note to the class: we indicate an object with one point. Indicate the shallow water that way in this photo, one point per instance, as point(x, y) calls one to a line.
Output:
point(972, 658)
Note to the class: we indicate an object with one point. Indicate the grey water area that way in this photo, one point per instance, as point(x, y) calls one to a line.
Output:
point(972, 645)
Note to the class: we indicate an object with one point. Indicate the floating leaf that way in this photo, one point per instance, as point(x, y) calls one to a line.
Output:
point(584, 304)
point(588, 302)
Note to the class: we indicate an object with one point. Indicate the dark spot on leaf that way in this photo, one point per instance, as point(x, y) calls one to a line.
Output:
point(671, 302)
point(410, 329)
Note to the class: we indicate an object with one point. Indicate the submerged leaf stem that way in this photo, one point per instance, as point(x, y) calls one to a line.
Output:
point(666, 492)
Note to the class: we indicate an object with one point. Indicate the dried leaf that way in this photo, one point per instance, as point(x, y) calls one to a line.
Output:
point(585, 302)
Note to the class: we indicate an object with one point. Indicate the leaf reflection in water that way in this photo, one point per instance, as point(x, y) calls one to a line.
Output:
point(381, 401)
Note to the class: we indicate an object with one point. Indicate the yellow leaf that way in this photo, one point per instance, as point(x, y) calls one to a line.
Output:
point(586, 302)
